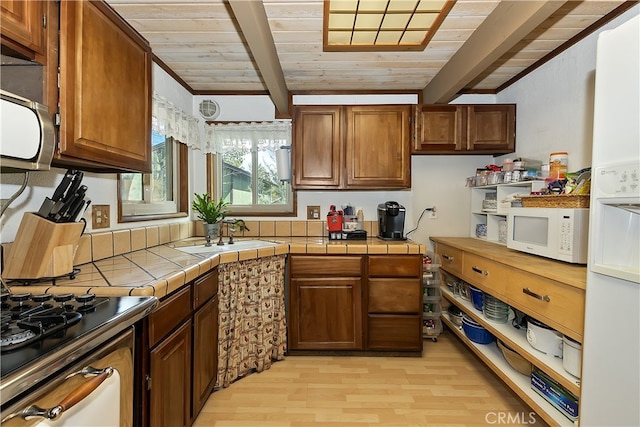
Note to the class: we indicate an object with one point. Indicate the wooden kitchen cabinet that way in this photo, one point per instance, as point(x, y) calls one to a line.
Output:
point(171, 380)
point(355, 302)
point(317, 150)
point(325, 303)
point(394, 302)
point(465, 129)
point(23, 27)
point(205, 340)
point(182, 346)
point(352, 147)
point(549, 291)
point(105, 91)
point(95, 78)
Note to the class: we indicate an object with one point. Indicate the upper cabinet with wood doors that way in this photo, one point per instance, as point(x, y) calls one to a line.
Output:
point(465, 129)
point(352, 147)
point(105, 90)
point(23, 26)
point(97, 80)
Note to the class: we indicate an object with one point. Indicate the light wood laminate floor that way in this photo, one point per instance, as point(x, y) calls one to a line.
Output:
point(447, 386)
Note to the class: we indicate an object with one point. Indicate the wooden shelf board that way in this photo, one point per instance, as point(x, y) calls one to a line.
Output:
point(520, 384)
point(517, 340)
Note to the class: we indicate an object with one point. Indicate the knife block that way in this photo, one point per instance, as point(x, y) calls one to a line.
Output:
point(42, 248)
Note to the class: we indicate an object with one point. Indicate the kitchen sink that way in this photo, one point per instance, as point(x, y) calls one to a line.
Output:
point(239, 245)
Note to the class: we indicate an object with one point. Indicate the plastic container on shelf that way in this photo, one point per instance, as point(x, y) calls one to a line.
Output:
point(431, 278)
point(475, 332)
point(430, 261)
point(455, 315)
point(431, 310)
point(431, 294)
point(476, 297)
point(431, 328)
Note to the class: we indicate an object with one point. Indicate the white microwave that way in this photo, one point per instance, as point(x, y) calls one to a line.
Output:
point(556, 233)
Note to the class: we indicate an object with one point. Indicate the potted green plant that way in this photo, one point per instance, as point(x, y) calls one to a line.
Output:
point(210, 212)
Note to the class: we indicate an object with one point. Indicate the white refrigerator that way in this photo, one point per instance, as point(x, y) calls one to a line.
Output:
point(610, 390)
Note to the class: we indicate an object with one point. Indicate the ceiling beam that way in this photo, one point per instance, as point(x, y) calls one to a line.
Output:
point(509, 22)
point(252, 19)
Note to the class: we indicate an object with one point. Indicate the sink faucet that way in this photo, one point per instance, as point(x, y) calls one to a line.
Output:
point(236, 225)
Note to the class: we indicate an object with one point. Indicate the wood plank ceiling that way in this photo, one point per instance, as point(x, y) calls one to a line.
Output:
point(275, 46)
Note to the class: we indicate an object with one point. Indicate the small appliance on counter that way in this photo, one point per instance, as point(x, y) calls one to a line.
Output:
point(391, 221)
point(341, 226)
point(335, 220)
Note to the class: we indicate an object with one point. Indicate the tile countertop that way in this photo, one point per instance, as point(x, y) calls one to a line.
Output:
point(160, 270)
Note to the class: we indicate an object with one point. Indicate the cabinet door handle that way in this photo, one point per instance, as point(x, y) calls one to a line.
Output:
point(447, 257)
point(537, 296)
point(477, 270)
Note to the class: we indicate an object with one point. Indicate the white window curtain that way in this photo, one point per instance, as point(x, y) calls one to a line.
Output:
point(268, 135)
point(169, 120)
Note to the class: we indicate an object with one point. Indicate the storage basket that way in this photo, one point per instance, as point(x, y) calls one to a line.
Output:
point(556, 201)
point(516, 361)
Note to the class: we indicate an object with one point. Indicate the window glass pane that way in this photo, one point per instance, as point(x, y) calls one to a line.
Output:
point(247, 175)
point(270, 190)
point(161, 182)
point(131, 187)
point(154, 193)
point(236, 175)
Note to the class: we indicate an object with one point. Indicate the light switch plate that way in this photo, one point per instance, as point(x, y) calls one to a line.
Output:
point(100, 216)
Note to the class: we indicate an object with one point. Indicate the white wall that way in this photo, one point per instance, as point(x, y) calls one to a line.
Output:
point(555, 103)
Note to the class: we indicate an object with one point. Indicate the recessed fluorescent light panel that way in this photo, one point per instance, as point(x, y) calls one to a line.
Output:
point(382, 25)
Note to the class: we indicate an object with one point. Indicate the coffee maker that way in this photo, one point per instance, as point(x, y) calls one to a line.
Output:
point(391, 221)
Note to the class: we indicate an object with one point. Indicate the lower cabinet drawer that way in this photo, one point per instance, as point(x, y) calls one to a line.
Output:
point(394, 265)
point(204, 288)
point(394, 296)
point(556, 304)
point(394, 332)
point(450, 257)
point(325, 266)
point(490, 276)
point(169, 314)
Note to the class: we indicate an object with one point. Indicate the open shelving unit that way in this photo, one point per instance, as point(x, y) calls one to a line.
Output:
point(431, 298)
point(492, 218)
point(516, 339)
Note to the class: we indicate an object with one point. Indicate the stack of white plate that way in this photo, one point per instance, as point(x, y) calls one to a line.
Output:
point(494, 309)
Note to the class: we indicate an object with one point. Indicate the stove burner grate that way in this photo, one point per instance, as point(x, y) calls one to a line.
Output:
point(31, 318)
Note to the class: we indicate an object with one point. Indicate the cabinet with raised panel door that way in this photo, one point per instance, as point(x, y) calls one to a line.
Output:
point(96, 80)
point(355, 302)
point(325, 302)
point(182, 346)
point(465, 129)
point(352, 147)
point(23, 25)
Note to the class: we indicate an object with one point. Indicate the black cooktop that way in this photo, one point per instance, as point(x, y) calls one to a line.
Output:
point(85, 319)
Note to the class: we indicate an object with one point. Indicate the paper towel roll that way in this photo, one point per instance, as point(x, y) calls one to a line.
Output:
point(283, 164)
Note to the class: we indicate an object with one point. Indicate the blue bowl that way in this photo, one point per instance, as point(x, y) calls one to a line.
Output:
point(475, 332)
point(476, 297)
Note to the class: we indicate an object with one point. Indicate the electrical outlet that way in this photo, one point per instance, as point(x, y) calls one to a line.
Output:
point(313, 212)
point(432, 213)
point(100, 216)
